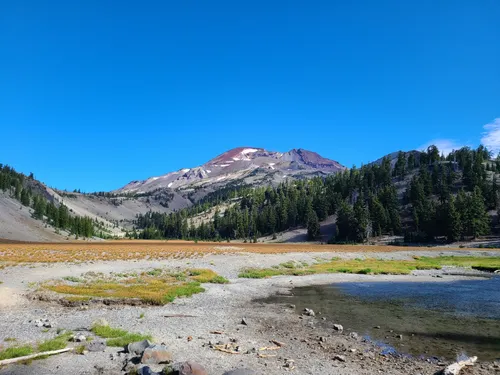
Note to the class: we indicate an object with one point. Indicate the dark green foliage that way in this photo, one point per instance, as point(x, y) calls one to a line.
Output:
point(313, 227)
point(365, 200)
point(19, 186)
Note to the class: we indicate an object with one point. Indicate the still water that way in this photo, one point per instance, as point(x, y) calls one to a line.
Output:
point(437, 319)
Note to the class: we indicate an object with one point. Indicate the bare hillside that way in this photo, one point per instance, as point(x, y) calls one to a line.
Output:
point(16, 223)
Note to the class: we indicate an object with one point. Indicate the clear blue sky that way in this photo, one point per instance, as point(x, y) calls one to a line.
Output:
point(96, 93)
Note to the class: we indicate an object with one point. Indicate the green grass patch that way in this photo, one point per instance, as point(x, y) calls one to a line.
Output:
point(15, 352)
point(58, 342)
point(374, 266)
point(118, 337)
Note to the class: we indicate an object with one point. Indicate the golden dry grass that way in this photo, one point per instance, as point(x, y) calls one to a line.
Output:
point(154, 287)
point(32, 252)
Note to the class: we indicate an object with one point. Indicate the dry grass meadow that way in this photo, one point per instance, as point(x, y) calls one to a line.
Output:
point(31, 252)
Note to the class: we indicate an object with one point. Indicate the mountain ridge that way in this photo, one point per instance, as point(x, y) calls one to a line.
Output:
point(237, 164)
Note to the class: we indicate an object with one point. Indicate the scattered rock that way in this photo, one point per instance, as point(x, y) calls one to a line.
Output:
point(399, 337)
point(309, 312)
point(291, 306)
point(354, 335)
point(339, 357)
point(137, 348)
point(156, 354)
point(96, 346)
point(244, 321)
point(240, 371)
point(322, 339)
point(338, 327)
point(377, 327)
point(145, 370)
point(79, 338)
point(188, 368)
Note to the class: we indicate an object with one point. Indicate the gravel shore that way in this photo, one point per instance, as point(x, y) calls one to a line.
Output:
point(308, 349)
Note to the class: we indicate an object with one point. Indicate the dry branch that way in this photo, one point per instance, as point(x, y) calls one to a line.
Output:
point(222, 348)
point(32, 356)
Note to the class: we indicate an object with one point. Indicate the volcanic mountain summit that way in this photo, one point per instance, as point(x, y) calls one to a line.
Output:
point(248, 165)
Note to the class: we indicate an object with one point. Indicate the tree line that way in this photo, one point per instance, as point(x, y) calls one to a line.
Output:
point(422, 196)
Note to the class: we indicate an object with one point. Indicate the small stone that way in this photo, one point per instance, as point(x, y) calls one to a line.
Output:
point(244, 321)
point(399, 337)
point(352, 350)
point(309, 312)
point(96, 346)
point(322, 339)
point(323, 318)
point(188, 368)
point(137, 348)
point(339, 357)
point(291, 306)
point(354, 335)
point(79, 338)
point(338, 327)
point(145, 370)
point(377, 327)
point(156, 354)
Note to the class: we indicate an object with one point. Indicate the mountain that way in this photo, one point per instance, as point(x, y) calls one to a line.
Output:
point(245, 165)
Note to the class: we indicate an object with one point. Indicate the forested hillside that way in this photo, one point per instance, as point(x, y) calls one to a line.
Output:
point(422, 196)
point(31, 193)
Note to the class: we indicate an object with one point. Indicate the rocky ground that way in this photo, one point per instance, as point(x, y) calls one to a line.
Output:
point(192, 328)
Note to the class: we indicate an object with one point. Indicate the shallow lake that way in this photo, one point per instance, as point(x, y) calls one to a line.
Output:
point(442, 319)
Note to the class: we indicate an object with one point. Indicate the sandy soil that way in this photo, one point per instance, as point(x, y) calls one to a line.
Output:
point(221, 308)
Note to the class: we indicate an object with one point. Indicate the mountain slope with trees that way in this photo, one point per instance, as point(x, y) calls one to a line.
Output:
point(422, 196)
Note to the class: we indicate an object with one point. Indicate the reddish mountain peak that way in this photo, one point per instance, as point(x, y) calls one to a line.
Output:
point(238, 153)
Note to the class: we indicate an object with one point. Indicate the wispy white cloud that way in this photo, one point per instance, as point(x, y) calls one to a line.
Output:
point(445, 146)
point(491, 136)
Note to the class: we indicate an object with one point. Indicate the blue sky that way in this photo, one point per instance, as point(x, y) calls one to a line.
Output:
point(96, 93)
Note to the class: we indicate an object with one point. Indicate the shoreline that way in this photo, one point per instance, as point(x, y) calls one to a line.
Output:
point(219, 308)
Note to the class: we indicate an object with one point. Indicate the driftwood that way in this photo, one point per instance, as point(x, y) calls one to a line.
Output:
point(216, 332)
point(32, 356)
point(224, 348)
point(455, 368)
point(277, 343)
point(269, 348)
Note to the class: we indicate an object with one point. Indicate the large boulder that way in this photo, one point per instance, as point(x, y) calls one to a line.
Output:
point(156, 354)
point(137, 348)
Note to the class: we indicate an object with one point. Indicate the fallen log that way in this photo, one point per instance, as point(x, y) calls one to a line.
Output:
point(32, 356)
point(456, 367)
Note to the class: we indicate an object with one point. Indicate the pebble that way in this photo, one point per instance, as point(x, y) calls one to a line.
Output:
point(338, 327)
